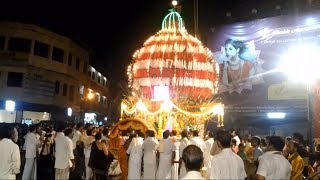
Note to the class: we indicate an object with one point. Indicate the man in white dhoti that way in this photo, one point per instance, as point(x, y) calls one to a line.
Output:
point(64, 157)
point(32, 144)
point(9, 154)
point(87, 141)
point(150, 146)
point(175, 166)
point(183, 144)
point(196, 140)
point(135, 152)
point(167, 155)
point(207, 155)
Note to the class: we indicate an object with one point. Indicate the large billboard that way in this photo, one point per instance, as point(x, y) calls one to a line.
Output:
point(249, 54)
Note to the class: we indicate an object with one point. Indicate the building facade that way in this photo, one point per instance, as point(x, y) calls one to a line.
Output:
point(46, 76)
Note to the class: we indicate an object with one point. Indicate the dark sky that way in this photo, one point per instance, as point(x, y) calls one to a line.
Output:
point(115, 29)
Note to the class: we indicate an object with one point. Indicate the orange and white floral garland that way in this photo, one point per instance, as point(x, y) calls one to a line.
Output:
point(176, 59)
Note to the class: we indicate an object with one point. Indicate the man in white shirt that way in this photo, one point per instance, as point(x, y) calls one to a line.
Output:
point(236, 137)
point(135, 152)
point(226, 164)
point(32, 144)
point(53, 132)
point(193, 159)
point(196, 140)
point(175, 166)
point(167, 155)
point(150, 146)
point(76, 135)
point(9, 154)
point(24, 144)
point(183, 144)
point(207, 155)
point(64, 158)
point(78, 153)
point(272, 164)
point(87, 141)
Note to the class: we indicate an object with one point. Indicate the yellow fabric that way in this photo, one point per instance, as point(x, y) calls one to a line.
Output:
point(249, 150)
point(83, 135)
point(297, 165)
point(134, 123)
point(123, 160)
point(306, 161)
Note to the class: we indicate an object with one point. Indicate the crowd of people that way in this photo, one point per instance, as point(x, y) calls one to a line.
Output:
point(66, 152)
point(84, 152)
point(222, 155)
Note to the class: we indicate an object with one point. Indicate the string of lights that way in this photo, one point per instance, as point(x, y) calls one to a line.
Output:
point(168, 106)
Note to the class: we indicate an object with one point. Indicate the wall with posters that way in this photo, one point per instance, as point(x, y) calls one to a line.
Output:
point(249, 54)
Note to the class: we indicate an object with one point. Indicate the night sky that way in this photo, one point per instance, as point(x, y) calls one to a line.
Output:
point(115, 29)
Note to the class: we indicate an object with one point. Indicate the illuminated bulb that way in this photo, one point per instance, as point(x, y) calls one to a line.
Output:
point(218, 109)
point(290, 63)
point(90, 95)
point(276, 115)
point(141, 106)
point(174, 2)
point(167, 106)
